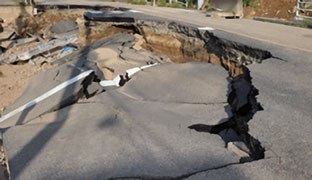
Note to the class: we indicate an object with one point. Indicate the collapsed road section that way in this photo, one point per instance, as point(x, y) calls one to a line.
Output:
point(140, 126)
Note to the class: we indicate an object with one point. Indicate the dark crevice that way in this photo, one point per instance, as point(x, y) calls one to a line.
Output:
point(243, 103)
point(242, 96)
point(222, 48)
point(82, 93)
point(181, 177)
point(131, 28)
point(278, 58)
point(45, 7)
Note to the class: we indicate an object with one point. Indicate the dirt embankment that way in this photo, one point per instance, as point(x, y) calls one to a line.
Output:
point(284, 9)
point(13, 79)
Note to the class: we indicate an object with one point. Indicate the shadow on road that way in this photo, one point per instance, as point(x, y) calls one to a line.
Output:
point(37, 143)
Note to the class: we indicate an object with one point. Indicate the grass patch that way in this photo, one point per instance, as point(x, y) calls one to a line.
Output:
point(208, 6)
point(175, 5)
point(162, 3)
point(251, 3)
point(305, 24)
point(140, 2)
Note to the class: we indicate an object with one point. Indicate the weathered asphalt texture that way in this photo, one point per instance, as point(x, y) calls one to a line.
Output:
point(140, 130)
point(283, 127)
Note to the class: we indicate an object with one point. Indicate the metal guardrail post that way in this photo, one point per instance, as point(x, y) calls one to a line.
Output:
point(298, 9)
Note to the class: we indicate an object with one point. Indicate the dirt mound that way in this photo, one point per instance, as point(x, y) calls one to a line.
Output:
point(284, 9)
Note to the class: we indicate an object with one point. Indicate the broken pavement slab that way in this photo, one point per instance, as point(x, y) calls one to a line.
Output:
point(129, 137)
point(284, 126)
point(181, 84)
point(6, 35)
point(113, 16)
point(64, 26)
point(44, 82)
point(40, 49)
point(175, 110)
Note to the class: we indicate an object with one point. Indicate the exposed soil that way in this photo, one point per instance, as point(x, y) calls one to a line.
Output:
point(14, 78)
point(283, 9)
point(13, 81)
point(38, 25)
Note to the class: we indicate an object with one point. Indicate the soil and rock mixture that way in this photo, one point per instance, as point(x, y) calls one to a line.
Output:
point(15, 78)
point(283, 9)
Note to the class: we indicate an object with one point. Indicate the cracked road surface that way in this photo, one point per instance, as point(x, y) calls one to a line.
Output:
point(139, 130)
point(165, 148)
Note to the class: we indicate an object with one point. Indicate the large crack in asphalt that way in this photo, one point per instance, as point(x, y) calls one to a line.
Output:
point(232, 56)
point(190, 44)
point(180, 177)
point(243, 102)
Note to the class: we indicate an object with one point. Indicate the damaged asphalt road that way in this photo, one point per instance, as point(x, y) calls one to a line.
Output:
point(150, 127)
point(139, 130)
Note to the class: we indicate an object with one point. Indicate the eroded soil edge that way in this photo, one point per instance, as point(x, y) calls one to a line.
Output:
point(184, 44)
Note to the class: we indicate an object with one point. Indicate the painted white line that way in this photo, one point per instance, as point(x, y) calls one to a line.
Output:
point(111, 83)
point(131, 72)
point(116, 12)
point(46, 95)
point(206, 28)
point(105, 83)
point(134, 11)
point(96, 12)
point(115, 83)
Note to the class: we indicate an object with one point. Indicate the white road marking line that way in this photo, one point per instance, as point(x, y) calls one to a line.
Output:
point(206, 28)
point(115, 83)
point(134, 11)
point(46, 95)
point(131, 72)
point(111, 83)
point(105, 83)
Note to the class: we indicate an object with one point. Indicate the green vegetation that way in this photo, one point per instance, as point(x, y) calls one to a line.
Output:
point(208, 6)
point(175, 5)
point(162, 3)
point(293, 14)
point(251, 3)
point(192, 3)
point(305, 24)
point(21, 3)
point(141, 2)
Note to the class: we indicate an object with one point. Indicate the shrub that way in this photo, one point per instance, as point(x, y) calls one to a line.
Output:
point(176, 5)
point(251, 3)
point(142, 2)
point(162, 3)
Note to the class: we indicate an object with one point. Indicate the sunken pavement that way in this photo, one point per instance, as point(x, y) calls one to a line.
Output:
point(150, 99)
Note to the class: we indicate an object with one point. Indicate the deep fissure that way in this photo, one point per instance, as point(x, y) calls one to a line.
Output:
point(184, 44)
point(231, 56)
